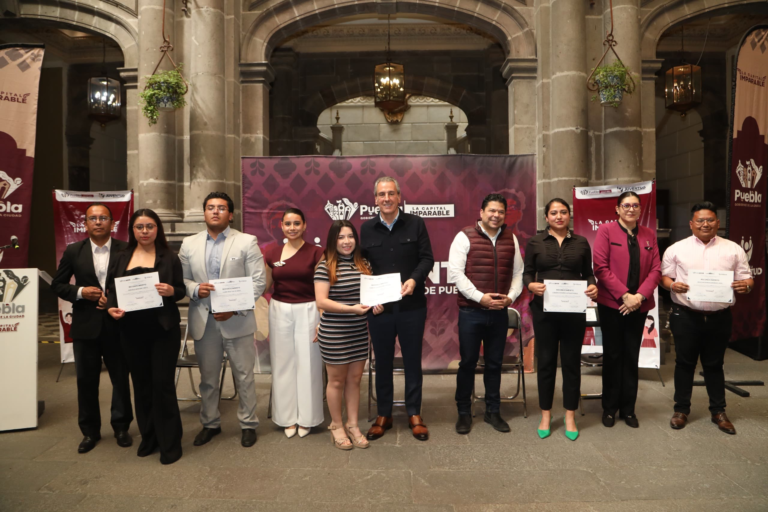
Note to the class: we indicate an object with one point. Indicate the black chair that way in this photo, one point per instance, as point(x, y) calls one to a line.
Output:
point(511, 364)
point(398, 367)
point(189, 361)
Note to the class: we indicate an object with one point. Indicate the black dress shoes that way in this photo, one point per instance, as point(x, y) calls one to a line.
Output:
point(609, 419)
point(206, 435)
point(87, 444)
point(631, 420)
point(124, 439)
point(494, 419)
point(464, 424)
point(249, 437)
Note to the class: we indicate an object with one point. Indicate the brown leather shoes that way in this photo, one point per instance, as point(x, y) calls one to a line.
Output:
point(679, 420)
point(723, 423)
point(379, 427)
point(418, 428)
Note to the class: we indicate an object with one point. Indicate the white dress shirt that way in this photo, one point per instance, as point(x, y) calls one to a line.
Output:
point(100, 264)
point(457, 263)
point(693, 254)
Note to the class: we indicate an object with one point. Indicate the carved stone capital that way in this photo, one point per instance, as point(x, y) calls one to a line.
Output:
point(650, 67)
point(256, 73)
point(520, 69)
point(130, 77)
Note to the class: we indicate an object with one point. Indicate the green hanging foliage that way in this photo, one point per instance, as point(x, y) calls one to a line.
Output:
point(612, 80)
point(164, 91)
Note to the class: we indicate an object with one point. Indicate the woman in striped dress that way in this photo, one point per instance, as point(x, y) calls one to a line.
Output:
point(343, 329)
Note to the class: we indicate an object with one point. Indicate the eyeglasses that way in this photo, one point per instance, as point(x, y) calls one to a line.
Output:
point(699, 222)
point(627, 206)
point(102, 218)
point(213, 208)
point(142, 227)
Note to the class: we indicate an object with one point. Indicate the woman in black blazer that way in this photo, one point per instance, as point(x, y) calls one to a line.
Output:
point(151, 338)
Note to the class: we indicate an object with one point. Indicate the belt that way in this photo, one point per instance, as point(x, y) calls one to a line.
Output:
point(703, 313)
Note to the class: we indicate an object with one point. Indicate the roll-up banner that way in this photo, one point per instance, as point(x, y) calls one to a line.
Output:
point(746, 187)
point(19, 84)
point(593, 206)
point(69, 227)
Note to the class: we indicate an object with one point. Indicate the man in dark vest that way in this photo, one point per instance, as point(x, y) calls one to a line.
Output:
point(486, 266)
point(93, 331)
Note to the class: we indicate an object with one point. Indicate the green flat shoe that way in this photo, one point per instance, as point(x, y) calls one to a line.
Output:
point(543, 434)
point(570, 435)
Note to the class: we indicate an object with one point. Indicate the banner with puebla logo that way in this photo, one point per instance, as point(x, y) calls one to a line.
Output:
point(19, 85)
point(69, 209)
point(594, 206)
point(746, 185)
point(446, 190)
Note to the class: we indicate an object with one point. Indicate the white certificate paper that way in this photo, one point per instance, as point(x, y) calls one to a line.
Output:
point(234, 294)
point(565, 296)
point(375, 290)
point(710, 286)
point(135, 293)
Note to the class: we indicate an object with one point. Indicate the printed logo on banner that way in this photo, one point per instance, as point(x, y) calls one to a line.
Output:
point(342, 210)
point(11, 286)
point(8, 186)
point(597, 223)
point(748, 248)
point(430, 211)
point(748, 177)
point(9, 327)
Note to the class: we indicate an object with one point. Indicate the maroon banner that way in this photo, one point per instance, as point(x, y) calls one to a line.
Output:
point(446, 190)
point(747, 191)
point(19, 86)
point(594, 206)
point(69, 209)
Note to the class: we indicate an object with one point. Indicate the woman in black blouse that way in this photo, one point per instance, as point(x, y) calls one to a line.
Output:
point(560, 255)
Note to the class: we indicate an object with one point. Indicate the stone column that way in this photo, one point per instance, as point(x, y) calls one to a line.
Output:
point(284, 107)
point(130, 78)
point(338, 137)
point(542, 16)
point(648, 116)
point(569, 160)
point(451, 132)
point(623, 139)
point(521, 87)
point(254, 83)
point(155, 181)
point(207, 119)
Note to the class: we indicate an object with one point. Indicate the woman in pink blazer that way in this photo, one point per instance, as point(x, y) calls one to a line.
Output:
point(627, 268)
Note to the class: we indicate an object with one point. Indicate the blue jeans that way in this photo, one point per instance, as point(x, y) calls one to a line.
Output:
point(489, 328)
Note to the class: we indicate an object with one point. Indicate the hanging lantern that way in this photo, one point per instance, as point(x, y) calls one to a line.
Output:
point(388, 89)
point(389, 82)
point(104, 100)
point(682, 89)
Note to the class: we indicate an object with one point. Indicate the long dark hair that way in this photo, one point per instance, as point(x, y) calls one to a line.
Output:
point(331, 254)
point(160, 241)
point(625, 195)
point(653, 323)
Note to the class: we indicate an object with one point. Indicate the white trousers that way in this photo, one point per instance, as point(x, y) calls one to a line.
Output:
point(297, 367)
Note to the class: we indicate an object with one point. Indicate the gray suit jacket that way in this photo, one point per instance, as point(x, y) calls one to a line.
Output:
point(241, 257)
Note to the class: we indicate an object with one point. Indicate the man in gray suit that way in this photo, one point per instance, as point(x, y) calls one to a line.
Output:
point(220, 252)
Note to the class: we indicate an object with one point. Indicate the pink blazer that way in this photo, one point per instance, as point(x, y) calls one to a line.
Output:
point(610, 259)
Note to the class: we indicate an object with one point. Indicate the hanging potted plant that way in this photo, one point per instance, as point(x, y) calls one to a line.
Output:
point(164, 92)
point(612, 81)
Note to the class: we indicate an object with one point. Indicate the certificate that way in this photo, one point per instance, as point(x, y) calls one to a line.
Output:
point(565, 296)
point(135, 293)
point(234, 294)
point(375, 290)
point(710, 286)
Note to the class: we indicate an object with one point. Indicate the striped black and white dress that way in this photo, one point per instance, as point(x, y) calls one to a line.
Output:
point(343, 337)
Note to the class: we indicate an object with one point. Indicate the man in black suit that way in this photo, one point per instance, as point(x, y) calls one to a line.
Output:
point(93, 332)
point(397, 242)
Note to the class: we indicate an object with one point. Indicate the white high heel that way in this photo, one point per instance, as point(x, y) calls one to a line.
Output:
point(290, 432)
point(304, 432)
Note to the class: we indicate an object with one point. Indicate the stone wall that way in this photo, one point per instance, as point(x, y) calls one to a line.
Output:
point(366, 132)
point(108, 170)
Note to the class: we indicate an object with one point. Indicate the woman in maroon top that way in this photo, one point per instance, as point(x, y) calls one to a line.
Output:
point(297, 367)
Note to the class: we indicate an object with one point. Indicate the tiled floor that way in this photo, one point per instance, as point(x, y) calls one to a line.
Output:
point(652, 468)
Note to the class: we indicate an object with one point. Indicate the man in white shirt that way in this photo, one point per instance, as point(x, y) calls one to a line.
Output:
point(702, 329)
point(485, 264)
point(93, 331)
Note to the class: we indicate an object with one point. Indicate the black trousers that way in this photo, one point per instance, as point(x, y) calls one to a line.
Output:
point(487, 328)
point(408, 328)
point(88, 357)
point(699, 336)
point(622, 337)
point(566, 332)
point(152, 354)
